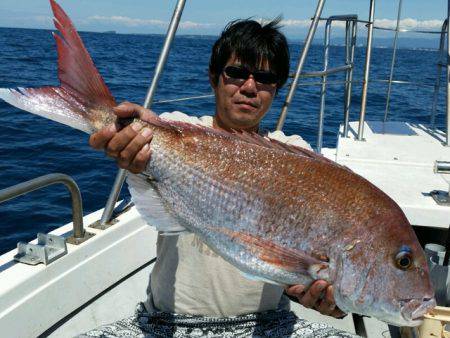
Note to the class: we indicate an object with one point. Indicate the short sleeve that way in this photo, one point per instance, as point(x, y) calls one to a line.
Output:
point(295, 140)
point(179, 116)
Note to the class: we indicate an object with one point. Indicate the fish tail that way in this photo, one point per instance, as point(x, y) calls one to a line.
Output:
point(82, 101)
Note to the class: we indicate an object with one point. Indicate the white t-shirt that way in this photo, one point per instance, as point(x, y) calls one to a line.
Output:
point(189, 278)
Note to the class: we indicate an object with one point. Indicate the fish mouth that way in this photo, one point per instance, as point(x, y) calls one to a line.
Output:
point(413, 310)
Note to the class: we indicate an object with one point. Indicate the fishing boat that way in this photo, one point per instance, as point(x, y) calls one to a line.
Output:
point(82, 274)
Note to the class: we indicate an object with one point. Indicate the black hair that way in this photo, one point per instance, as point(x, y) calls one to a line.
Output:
point(252, 43)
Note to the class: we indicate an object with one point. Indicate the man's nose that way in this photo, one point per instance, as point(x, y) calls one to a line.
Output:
point(249, 86)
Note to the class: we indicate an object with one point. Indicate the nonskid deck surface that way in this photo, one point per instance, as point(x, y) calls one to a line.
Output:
point(399, 158)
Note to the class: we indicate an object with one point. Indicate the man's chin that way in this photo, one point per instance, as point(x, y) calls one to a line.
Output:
point(247, 117)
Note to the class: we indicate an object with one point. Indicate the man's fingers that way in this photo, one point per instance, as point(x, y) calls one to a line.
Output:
point(313, 294)
point(319, 296)
point(141, 160)
point(329, 297)
point(121, 139)
point(130, 145)
point(327, 305)
point(100, 139)
point(127, 156)
point(296, 290)
point(128, 109)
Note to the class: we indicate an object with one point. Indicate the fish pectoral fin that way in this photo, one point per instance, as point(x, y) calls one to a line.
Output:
point(175, 233)
point(151, 206)
point(289, 259)
point(260, 279)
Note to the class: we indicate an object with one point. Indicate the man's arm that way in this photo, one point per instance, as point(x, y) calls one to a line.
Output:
point(130, 147)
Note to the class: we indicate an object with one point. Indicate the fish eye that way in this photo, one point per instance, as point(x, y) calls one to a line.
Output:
point(403, 260)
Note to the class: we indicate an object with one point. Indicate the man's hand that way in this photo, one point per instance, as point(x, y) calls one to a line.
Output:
point(130, 146)
point(318, 296)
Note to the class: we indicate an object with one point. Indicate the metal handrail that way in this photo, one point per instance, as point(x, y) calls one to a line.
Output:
point(301, 63)
point(328, 71)
point(323, 89)
point(366, 70)
point(401, 30)
point(121, 175)
point(350, 41)
point(440, 64)
point(44, 181)
point(445, 30)
point(394, 56)
point(308, 75)
point(404, 30)
point(205, 96)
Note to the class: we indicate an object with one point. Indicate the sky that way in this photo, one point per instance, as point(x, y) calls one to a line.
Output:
point(208, 17)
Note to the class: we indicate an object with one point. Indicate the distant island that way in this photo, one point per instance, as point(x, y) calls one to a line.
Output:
point(109, 32)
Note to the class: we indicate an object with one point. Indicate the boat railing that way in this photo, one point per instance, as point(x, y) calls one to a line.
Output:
point(79, 234)
point(370, 24)
point(440, 64)
point(301, 62)
point(351, 22)
point(443, 61)
point(121, 175)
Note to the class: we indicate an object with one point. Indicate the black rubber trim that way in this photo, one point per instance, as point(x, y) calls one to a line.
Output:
point(64, 320)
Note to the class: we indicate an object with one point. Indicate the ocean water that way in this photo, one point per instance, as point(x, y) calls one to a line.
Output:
point(31, 146)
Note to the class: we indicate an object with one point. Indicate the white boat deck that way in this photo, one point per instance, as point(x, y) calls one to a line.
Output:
point(399, 158)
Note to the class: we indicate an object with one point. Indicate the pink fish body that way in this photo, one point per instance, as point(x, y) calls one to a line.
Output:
point(278, 213)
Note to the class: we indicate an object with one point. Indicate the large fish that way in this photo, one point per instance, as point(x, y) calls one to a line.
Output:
point(279, 213)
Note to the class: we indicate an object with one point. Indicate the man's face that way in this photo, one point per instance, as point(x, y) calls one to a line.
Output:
point(241, 104)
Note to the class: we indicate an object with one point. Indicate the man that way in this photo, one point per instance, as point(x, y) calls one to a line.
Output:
point(249, 64)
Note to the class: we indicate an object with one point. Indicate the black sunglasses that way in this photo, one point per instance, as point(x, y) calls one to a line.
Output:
point(242, 73)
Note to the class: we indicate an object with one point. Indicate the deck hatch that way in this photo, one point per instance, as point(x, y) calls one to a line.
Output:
point(392, 128)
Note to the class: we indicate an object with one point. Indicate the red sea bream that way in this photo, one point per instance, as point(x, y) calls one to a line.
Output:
point(279, 213)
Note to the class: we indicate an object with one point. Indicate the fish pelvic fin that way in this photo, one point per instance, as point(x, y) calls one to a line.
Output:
point(151, 207)
point(82, 101)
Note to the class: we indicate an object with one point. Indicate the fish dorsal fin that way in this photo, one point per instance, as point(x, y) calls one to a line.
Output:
point(275, 144)
point(247, 137)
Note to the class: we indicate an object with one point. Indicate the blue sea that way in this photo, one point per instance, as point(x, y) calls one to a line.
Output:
point(31, 146)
